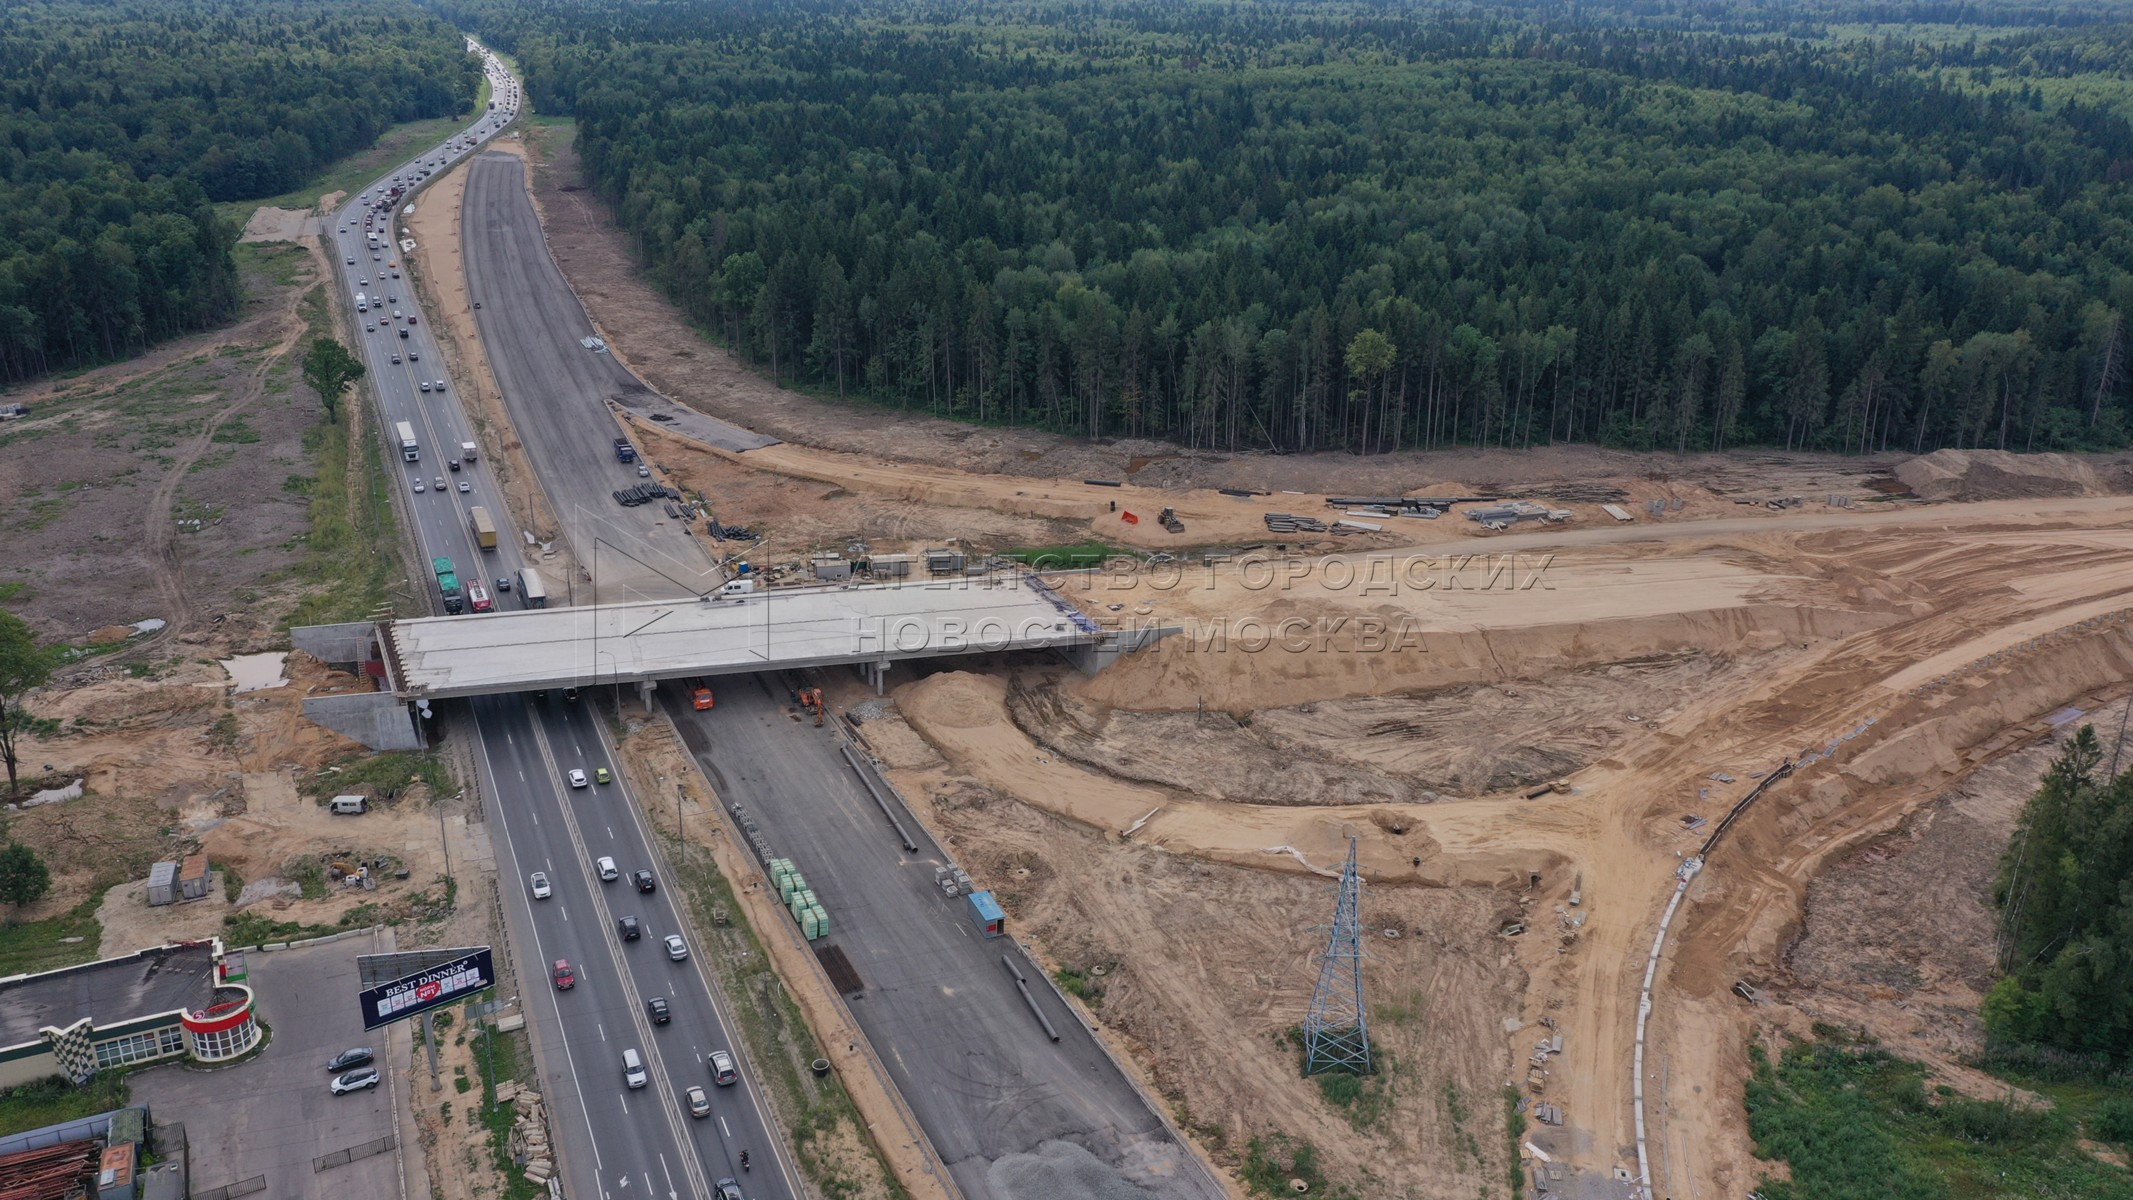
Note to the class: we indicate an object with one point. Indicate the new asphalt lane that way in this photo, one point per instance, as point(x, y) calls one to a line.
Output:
point(1014, 1115)
point(557, 391)
point(614, 1141)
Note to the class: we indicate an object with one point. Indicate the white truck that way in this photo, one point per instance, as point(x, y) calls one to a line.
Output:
point(531, 592)
point(362, 303)
point(408, 449)
point(466, 452)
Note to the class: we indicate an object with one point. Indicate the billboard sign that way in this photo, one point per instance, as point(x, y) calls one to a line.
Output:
point(434, 986)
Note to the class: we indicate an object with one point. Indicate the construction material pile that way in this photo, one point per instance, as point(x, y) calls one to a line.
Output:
point(644, 493)
point(1290, 523)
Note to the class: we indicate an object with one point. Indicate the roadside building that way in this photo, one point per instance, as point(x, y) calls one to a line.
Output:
point(183, 1000)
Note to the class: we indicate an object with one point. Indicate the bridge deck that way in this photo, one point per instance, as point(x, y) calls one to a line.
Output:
point(487, 653)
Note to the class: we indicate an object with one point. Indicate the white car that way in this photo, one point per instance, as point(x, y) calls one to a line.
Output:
point(418, 487)
point(541, 890)
point(577, 778)
point(465, 487)
point(440, 385)
point(608, 871)
point(676, 948)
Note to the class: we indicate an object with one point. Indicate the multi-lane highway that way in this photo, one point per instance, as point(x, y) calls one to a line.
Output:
point(1013, 1115)
point(614, 1140)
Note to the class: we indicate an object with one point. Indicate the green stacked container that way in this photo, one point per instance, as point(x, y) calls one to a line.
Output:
point(800, 902)
point(817, 924)
point(779, 869)
point(792, 885)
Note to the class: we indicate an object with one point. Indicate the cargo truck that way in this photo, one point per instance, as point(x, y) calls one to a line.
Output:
point(466, 451)
point(530, 590)
point(624, 452)
point(408, 449)
point(448, 587)
point(483, 528)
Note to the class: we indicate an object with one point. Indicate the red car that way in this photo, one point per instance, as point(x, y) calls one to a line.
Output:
point(565, 978)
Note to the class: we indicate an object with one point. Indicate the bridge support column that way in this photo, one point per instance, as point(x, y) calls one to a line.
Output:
point(875, 673)
point(645, 688)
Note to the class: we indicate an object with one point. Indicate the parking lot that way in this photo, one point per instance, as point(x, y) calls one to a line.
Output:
point(272, 1114)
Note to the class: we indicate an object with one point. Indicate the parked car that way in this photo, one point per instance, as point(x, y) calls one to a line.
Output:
point(355, 1081)
point(722, 1072)
point(541, 890)
point(565, 978)
point(676, 948)
point(349, 1060)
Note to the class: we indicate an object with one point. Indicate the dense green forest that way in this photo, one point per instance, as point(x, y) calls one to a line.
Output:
point(2065, 893)
point(1368, 226)
point(121, 122)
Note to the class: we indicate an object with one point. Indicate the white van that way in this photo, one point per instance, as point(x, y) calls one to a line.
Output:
point(348, 805)
point(632, 1069)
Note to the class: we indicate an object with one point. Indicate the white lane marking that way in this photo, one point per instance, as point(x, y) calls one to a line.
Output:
point(603, 1030)
point(569, 1060)
point(722, 1126)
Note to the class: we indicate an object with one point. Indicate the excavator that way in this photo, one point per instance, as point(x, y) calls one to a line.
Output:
point(811, 701)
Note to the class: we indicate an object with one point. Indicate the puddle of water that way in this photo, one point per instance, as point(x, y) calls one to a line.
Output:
point(256, 672)
point(151, 625)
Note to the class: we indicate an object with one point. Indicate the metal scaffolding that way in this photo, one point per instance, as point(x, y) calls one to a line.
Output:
point(1337, 1031)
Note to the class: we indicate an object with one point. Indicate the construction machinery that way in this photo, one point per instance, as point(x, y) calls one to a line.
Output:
point(811, 701)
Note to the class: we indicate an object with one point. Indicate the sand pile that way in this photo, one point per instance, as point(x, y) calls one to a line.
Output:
point(1999, 475)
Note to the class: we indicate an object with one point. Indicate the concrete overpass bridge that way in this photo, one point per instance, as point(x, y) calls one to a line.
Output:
point(871, 627)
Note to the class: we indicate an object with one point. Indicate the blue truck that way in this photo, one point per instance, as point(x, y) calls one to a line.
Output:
point(624, 452)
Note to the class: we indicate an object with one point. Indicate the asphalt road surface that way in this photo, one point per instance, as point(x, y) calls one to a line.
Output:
point(1012, 1114)
point(614, 1141)
point(558, 390)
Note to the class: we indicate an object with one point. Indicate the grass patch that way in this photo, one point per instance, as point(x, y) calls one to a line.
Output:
point(353, 538)
point(251, 929)
point(1087, 988)
point(1854, 1122)
point(1363, 1099)
point(501, 1056)
point(285, 263)
point(382, 774)
point(28, 946)
point(50, 1101)
point(1271, 1161)
point(236, 431)
point(311, 877)
point(1514, 1121)
point(778, 1037)
point(1078, 556)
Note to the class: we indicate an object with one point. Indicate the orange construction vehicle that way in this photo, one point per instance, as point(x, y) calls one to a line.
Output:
point(811, 701)
point(701, 697)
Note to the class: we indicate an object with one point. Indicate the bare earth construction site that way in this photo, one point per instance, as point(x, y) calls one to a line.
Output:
point(1166, 832)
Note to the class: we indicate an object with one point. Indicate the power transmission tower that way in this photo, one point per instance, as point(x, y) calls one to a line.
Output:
point(1336, 1032)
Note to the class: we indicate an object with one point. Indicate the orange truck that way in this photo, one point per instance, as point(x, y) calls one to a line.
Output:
point(700, 695)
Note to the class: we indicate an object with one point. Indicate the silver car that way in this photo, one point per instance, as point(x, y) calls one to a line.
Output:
point(676, 948)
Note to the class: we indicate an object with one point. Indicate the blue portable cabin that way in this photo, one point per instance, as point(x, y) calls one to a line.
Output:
point(986, 915)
